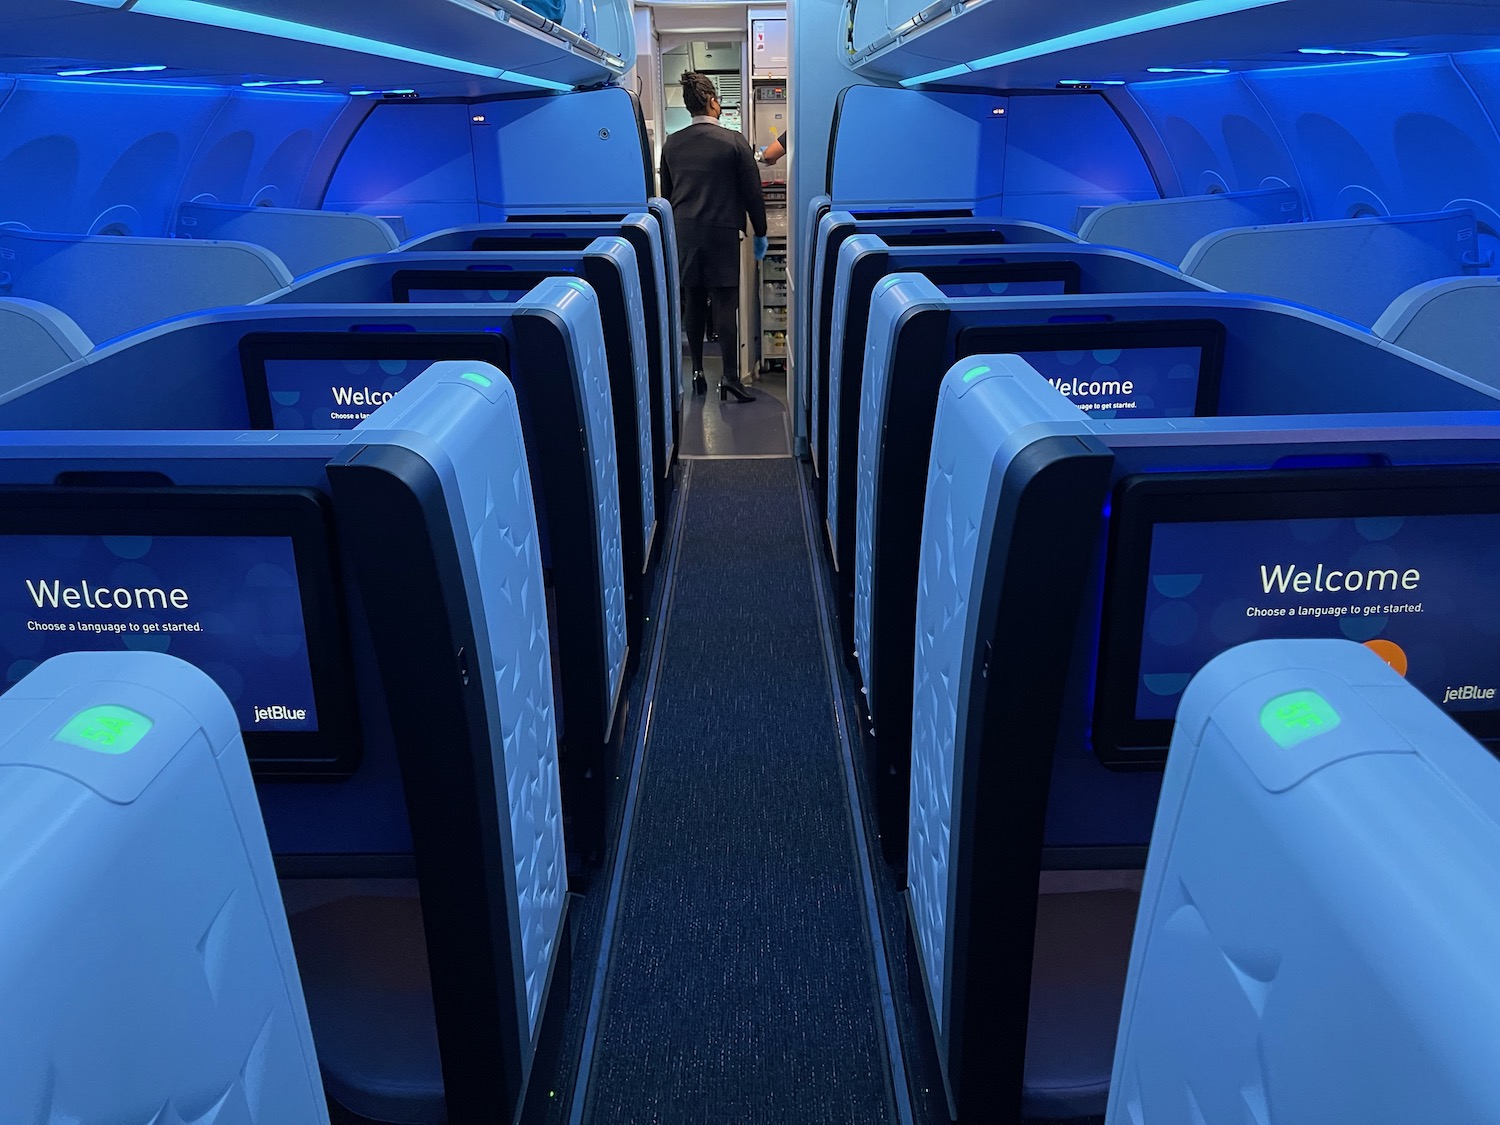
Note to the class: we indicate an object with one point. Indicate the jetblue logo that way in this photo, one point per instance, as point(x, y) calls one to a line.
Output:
point(283, 714)
point(1468, 691)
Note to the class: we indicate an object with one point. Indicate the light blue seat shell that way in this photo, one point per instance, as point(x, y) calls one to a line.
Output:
point(304, 240)
point(111, 286)
point(469, 430)
point(1317, 932)
point(147, 968)
point(1454, 321)
point(35, 339)
point(1352, 268)
point(1167, 228)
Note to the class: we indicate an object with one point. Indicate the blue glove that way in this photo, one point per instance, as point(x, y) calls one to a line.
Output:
point(762, 244)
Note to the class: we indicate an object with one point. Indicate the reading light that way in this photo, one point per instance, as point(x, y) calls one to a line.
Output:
point(260, 83)
point(214, 15)
point(109, 70)
point(1174, 16)
point(1186, 70)
point(1342, 51)
point(477, 119)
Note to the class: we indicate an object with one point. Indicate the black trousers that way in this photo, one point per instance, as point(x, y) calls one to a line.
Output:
point(698, 303)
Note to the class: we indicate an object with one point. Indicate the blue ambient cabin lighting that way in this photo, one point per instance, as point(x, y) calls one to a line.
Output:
point(109, 70)
point(1174, 16)
point(214, 15)
point(1345, 51)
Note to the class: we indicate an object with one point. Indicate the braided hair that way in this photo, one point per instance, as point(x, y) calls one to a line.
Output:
point(698, 91)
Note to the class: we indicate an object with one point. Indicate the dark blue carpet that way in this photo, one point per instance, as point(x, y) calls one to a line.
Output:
point(741, 986)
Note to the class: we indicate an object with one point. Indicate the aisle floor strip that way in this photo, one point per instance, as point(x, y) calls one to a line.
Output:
point(856, 819)
point(632, 792)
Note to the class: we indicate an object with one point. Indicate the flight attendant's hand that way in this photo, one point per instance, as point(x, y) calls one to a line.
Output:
point(762, 244)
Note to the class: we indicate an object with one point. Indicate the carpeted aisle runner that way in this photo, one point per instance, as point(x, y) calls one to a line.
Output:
point(741, 985)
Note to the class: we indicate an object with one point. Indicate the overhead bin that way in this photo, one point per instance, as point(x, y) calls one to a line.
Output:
point(456, 48)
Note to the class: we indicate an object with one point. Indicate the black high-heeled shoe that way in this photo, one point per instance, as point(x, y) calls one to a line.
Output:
point(700, 384)
point(736, 389)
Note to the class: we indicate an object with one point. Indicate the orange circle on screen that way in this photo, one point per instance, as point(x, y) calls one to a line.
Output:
point(1390, 652)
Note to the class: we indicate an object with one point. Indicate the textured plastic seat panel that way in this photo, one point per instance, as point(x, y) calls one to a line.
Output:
point(304, 240)
point(1318, 922)
point(978, 424)
point(471, 433)
point(1167, 228)
point(896, 297)
point(147, 969)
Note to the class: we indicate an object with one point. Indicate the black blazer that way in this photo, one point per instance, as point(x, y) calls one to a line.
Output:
point(709, 176)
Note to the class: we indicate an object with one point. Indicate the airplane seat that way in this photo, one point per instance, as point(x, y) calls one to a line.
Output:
point(304, 240)
point(608, 265)
point(1045, 681)
point(1186, 357)
point(1454, 321)
point(864, 261)
point(192, 375)
point(147, 967)
point(574, 232)
point(898, 225)
point(446, 461)
point(1168, 228)
point(34, 340)
point(1291, 959)
point(1350, 268)
point(114, 285)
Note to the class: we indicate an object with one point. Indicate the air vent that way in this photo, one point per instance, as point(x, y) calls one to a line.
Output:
point(730, 87)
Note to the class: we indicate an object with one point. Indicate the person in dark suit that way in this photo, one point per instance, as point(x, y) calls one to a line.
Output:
point(708, 174)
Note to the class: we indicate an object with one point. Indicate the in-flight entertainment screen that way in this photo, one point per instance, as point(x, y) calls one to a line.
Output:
point(1402, 561)
point(1119, 370)
point(335, 380)
point(238, 584)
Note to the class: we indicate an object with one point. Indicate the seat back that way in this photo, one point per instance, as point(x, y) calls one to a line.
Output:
point(1025, 630)
point(1288, 958)
point(303, 240)
point(111, 286)
point(1352, 268)
point(147, 966)
point(837, 226)
point(1267, 350)
point(1167, 228)
point(1454, 321)
point(35, 339)
point(643, 232)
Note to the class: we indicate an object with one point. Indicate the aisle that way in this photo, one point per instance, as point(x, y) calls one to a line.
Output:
point(741, 983)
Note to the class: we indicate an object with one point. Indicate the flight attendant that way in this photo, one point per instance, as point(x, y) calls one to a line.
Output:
point(708, 174)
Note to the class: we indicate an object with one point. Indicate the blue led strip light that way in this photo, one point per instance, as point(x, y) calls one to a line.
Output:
point(1148, 21)
point(215, 15)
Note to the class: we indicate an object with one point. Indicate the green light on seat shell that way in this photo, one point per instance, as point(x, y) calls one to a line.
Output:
point(107, 729)
point(1297, 716)
point(476, 377)
point(975, 372)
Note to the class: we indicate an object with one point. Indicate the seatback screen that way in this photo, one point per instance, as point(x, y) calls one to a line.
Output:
point(335, 380)
point(1140, 370)
point(238, 584)
point(1391, 559)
